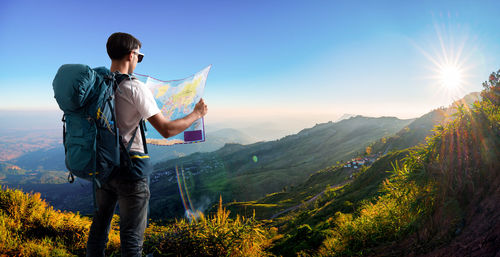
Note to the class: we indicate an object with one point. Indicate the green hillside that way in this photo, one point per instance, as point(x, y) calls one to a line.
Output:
point(354, 185)
point(347, 198)
point(299, 196)
point(291, 196)
point(413, 134)
point(441, 198)
point(243, 173)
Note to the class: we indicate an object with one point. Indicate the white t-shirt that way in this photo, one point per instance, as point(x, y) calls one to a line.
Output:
point(133, 102)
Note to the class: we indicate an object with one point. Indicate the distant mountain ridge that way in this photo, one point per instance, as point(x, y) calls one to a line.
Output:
point(50, 156)
point(214, 141)
point(244, 172)
point(346, 116)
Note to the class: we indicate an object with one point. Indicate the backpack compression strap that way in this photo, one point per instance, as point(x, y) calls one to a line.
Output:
point(71, 178)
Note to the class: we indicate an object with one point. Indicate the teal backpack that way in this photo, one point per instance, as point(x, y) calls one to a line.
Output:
point(92, 143)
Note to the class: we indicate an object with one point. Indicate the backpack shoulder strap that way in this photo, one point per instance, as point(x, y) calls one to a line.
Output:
point(119, 77)
point(132, 140)
point(142, 127)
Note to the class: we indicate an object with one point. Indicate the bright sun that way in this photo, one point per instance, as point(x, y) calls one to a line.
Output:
point(450, 76)
point(451, 58)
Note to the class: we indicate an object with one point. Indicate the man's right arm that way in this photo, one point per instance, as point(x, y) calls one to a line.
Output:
point(171, 128)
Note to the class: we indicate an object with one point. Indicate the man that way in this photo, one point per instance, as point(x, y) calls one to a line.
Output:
point(130, 188)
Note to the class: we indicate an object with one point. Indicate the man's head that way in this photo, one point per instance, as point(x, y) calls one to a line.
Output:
point(123, 49)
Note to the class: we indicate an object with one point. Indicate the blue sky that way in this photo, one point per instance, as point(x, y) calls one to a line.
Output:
point(302, 60)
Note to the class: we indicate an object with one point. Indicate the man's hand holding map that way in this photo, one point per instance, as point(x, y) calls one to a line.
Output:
point(176, 99)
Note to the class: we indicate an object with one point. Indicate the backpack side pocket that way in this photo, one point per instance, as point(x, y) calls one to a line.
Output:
point(80, 144)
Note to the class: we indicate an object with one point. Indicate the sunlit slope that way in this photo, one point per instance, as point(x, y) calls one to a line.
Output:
point(249, 172)
point(422, 127)
point(439, 200)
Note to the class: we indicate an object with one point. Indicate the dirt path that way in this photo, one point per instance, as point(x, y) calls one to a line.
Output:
point(308, 201)
point(320, 194)
point(386, 150)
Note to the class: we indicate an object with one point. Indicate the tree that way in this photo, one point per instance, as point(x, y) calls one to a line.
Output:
point(491, 90)
point(368, 150)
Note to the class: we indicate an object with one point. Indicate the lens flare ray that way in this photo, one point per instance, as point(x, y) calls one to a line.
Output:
point(190, 212)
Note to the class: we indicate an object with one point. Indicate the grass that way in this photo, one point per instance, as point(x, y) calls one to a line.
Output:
point(212, 235)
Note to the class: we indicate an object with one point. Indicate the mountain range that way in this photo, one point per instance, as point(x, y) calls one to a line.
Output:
point(360, 186)
point(246, 172)
point(239, 172)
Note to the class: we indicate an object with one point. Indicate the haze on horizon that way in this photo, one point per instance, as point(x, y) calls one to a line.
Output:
point(286, 62)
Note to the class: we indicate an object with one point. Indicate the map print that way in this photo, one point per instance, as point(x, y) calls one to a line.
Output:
point(176, 99)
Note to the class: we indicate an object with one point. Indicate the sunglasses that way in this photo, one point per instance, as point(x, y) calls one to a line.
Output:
point(139, 56)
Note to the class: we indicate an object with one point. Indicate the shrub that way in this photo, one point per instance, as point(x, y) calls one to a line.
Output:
point(29, 227)
point(216, 235)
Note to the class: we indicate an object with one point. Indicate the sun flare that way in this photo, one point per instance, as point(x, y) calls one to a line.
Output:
point(451, 63)
point(450, 76)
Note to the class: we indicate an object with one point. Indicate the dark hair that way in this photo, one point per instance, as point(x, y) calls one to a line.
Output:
point(120, 44)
